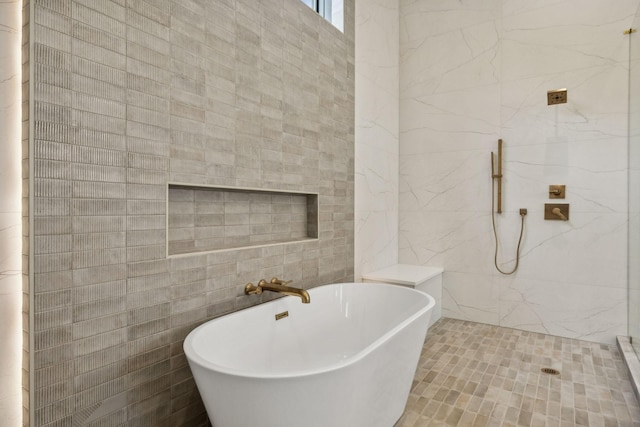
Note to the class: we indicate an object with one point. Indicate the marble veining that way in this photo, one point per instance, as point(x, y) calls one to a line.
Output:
point(376, 135)
point(10, 216)
point(470, 74)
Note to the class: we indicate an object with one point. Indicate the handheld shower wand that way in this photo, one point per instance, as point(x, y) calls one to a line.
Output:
point(498, 176)
point(523, 212)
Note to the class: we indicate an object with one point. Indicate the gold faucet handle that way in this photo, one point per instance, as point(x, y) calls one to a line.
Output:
point(251, 289)
point(277, 281)
point(557, 212)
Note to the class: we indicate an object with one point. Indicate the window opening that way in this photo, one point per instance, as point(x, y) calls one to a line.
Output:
point(331, 10)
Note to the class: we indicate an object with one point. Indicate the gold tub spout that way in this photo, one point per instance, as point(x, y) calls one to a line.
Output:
point(278, 286)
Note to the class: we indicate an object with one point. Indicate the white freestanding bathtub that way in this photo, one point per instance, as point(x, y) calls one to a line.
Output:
point(347, 359)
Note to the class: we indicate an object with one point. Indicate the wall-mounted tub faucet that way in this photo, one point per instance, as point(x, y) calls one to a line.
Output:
point(278, 286)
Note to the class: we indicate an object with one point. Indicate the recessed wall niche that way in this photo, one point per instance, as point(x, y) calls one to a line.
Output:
point(203, 218)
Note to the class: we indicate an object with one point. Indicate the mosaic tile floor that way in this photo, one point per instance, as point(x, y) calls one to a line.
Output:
point(472, 374)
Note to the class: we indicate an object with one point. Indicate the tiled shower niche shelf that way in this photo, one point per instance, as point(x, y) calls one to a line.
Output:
point(205, 219)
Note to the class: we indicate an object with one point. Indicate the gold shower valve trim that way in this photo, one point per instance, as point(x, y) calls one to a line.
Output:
point(557, 191)
point(556, 211)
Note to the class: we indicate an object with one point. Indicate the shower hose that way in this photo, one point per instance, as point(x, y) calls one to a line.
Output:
point(495, 234)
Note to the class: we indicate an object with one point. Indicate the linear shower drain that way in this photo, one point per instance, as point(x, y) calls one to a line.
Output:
point(550, 371)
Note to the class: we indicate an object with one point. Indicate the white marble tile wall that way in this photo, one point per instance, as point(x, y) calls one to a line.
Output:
point(10, 216)
point(634, 185)
point(376, 135)
point(473, 72)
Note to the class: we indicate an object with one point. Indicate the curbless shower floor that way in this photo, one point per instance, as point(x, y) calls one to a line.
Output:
point(473, 374)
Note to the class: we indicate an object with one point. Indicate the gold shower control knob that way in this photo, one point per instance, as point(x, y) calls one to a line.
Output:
point(557, 191)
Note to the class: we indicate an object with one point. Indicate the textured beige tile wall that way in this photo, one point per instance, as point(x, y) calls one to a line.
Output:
point(130, 95)
point(26, 209)
point(212, 218)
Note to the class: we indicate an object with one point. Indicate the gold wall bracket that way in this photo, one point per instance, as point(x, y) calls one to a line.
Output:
point(630, 31)
point(556, 211)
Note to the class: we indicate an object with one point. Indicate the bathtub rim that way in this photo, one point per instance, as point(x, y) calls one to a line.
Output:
point(193, 357)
